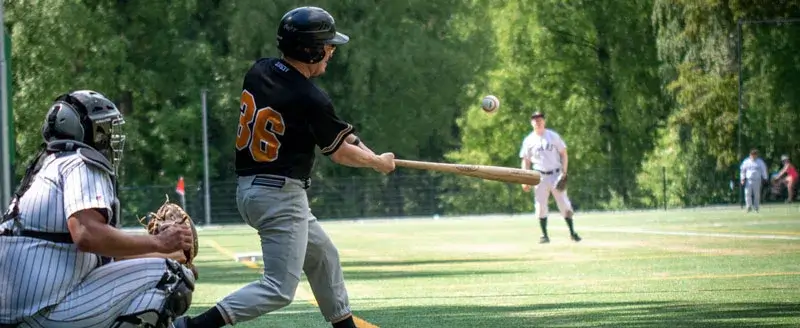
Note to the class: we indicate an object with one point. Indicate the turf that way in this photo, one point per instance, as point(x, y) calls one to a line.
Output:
point(679, 268)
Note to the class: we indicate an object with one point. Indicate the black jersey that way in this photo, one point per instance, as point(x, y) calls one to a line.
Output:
point(282, 117)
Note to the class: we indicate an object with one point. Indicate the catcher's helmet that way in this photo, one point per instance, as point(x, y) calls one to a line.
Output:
point(89, 117)
point(303, 33)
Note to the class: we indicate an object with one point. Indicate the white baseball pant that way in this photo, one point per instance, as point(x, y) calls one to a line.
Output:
point(542, 193)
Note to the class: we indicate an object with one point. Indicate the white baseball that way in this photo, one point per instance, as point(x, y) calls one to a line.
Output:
point(490, 104)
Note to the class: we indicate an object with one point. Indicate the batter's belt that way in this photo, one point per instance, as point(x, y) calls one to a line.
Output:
point(548, 172)
point(277, 181)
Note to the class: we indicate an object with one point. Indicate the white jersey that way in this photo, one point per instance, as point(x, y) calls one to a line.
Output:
point(36, 273)
point(543, 151)
point(753, 170)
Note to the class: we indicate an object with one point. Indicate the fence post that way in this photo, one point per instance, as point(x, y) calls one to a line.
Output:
point(664, 185)
point(356, 201)
point(206, 183)
point(510, 198)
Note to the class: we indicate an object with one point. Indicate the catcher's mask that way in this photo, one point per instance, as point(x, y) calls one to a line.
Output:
point(89, 117)
point(303, 33)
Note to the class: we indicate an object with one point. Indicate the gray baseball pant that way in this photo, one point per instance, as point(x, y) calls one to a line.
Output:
point(292, 241)
point(752, 193)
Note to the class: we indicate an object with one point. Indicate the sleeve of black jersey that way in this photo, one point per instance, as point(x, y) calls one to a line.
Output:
point(328, 129)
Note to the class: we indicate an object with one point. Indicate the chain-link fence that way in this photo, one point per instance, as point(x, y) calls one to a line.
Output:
point(433, 194)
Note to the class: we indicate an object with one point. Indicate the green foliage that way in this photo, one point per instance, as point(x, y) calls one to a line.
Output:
point(636, 88)
point(708, 111)
point(697, 44)
point(592, 69)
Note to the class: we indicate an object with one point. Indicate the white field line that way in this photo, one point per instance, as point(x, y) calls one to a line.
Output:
point(693, 234)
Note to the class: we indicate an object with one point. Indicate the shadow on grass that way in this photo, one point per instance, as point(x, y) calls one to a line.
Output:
point(425, 262)
point(651, 314)
point(572, 293)
point(352, 275)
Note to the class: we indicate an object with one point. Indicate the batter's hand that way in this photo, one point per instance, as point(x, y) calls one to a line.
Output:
point(526, 188)
point(385, 163)
point(175, 237)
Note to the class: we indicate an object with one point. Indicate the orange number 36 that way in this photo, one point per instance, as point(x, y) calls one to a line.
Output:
point(261, 139)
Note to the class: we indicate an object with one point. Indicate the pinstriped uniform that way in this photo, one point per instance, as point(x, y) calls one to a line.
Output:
point(544, 154)
point(49, 284)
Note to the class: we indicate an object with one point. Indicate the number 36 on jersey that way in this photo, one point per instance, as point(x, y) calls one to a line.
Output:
point(258, 128)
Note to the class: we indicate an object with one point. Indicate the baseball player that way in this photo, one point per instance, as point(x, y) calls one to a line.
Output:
point(59, 239)
point(543, 150)
point(284, 116)
point(752, 174)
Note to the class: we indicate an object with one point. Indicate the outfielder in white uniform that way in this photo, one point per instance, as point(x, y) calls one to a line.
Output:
point(543, 150)
point(752, 174)
point(60, 248)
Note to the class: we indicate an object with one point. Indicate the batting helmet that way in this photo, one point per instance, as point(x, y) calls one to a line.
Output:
point(303, 33)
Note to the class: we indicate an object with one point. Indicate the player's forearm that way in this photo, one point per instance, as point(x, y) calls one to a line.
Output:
point(115, 243)
point(526, 164)
point(355, 140)
point(354, 156)
point(100, 238)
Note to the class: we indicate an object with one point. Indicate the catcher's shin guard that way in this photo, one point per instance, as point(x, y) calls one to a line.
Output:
point(178, 283)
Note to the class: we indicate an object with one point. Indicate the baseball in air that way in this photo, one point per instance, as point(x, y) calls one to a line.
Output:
point(490, 104)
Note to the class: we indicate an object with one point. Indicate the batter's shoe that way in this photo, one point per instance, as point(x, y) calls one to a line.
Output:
point(544, 240)
point(575, 237)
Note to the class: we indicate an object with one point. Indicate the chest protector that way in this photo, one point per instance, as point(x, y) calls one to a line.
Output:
point(89, 155)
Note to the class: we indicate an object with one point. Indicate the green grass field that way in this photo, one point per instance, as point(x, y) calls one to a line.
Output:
point(678, 268)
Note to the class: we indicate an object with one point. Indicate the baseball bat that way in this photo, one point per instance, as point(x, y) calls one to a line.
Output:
point(487, 172)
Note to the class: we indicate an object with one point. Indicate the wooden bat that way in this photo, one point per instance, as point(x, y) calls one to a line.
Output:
point(494, 173)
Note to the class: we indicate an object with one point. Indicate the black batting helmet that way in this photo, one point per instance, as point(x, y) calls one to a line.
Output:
point(303, 33)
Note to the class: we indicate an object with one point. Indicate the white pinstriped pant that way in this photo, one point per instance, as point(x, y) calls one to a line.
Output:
point(111, 291)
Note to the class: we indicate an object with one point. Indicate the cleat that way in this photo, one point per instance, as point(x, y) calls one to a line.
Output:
point(544, 240)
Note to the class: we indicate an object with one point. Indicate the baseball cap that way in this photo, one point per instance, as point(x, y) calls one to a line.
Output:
point(537, 114)
point(784, 157)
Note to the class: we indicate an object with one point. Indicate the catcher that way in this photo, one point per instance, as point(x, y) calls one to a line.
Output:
point(547, 153)
point(59, 237)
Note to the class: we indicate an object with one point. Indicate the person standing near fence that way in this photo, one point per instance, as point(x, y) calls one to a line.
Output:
point(544, 151)
point(752, 174)
point(790, 179)
point(283, 117)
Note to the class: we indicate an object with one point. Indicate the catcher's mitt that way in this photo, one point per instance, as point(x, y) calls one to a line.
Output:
point(169, 214)
point(561, 182)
